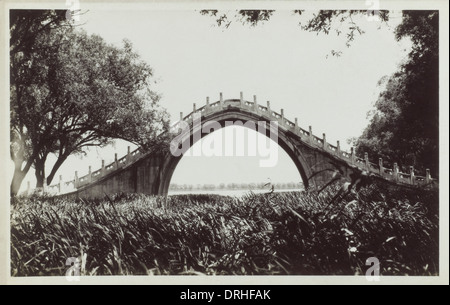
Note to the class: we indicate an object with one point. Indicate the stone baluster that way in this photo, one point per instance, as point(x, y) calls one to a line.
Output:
point(76, 180)
point(352, 155)
point(221, 100)
point(282, 116)
point(310, 135)
point(411, 175)
point(103, 168)
point(269, 112)
point(60, 184)
point(255, 104)
point(207, 103)
point(324, 141)
point(380, 165)
point(241, 99)
point(194, 108)
point(395, 173)
point(179, 123)
point(427, 176)
point(116, 163)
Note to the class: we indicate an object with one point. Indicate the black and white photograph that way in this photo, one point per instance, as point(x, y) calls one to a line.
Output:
point(228, 142)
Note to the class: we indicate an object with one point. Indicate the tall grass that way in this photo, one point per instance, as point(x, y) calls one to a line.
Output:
point(280, 233)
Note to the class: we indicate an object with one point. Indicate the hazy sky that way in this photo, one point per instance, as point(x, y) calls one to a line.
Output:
point(277, 61)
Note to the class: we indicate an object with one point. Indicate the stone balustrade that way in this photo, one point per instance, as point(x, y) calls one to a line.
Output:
point(265, 112)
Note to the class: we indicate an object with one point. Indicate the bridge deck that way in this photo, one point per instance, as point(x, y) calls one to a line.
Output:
point(382, 170)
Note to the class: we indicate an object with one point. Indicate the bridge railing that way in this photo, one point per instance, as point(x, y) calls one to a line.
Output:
point(319, 142)
point(390, 172)
point(90, 177)
point(59, 188)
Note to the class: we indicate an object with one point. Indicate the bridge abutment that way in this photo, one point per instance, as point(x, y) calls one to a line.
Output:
point(317, 161)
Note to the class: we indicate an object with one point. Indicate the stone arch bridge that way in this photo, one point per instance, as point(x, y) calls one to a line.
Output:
point(315, 158)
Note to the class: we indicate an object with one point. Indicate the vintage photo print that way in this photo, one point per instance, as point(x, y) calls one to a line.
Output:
point(195, 142)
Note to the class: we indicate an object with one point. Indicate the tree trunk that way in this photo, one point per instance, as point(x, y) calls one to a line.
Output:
point(18, 177)
point(55, 168)
point(40, 172)
point(19, 173)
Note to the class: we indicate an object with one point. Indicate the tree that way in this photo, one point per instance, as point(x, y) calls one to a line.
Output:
point(321, 22)
point(71, 91)
point(404, 126)
point(25, 27)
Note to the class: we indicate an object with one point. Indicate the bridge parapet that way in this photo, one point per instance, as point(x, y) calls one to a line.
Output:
point(108, 169)
point(59, 188)
point(390, 173)
point(311, 139)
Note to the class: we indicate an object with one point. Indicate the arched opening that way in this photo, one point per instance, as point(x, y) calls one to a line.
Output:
point(234, 160)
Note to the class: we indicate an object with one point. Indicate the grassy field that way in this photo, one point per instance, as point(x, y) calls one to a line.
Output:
point(301, 233)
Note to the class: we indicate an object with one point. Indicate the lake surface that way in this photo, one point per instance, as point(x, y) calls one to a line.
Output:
point(236, 193)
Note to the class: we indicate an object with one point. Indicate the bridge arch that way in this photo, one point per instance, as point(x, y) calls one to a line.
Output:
point(232, 115)
point(316, 160)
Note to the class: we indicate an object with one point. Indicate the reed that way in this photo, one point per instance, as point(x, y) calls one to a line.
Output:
point(267, 234)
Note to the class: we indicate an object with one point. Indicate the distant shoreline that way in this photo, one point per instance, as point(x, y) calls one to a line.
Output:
point(231, 192)
point(261, 186)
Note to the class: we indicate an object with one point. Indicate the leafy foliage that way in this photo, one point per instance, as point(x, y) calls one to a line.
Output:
point(70, 90)
point(322, 22)
point(404, 127)
point(26, 26)
point(278, 233)
point(252, 17)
